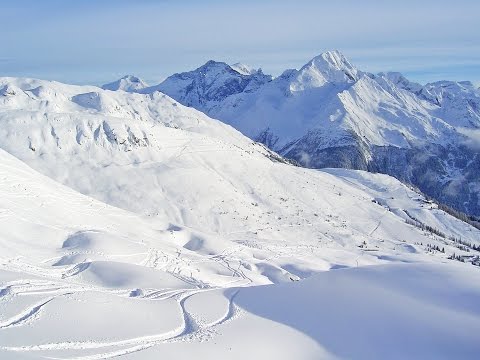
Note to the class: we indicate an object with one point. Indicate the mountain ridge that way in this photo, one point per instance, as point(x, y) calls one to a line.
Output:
point(330, 114)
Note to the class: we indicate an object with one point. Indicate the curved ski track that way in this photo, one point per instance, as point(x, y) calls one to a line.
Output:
point(192, 328)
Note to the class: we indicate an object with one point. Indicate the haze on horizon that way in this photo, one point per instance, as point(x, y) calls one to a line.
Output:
point(96, 42)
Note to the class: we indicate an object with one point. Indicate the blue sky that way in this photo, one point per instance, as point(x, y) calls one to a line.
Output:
point(95, 41)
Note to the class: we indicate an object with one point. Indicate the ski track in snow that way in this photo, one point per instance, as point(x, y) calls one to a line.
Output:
point(192, 329)
point(25, 316)
point(61, 281)
point(378, 224)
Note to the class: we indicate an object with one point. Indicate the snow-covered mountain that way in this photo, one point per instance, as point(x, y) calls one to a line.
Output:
point(330, 114)
point(245, 69)
point(127, 83)
point(212, 82)
point(147, 224)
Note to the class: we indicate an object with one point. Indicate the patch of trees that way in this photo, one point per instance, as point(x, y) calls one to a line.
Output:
point(474, 260)
point(464, 245)
point(433, 248)
point(456, 257)
point(417, 223)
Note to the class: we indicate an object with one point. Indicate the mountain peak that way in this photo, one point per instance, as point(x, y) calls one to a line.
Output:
point(128, 83)
point(131, 78)
point(212, 64)
point(401, 81)
point(335, 61)
point(245, 69)
point(213, 81)
point(216, 67)
point(328, 67)
point(334, 58)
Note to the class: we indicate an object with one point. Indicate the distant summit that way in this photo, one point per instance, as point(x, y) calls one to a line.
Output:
point(128, 83)
point(244, 69)
point(212, 82)
point(329, 67)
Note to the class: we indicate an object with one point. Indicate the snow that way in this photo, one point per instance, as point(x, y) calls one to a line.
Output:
point(384, 110)
point(389, 311)
point(331, 114)
point(127, 83)
point(243, 69)
point(134, 226)
point(210, 83)
point(330, 67)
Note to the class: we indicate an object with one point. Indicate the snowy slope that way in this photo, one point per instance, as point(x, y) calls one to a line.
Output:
point(458, 102)
point(167, 212)
point(330, 114)
point(68, 259)
point(153, 156)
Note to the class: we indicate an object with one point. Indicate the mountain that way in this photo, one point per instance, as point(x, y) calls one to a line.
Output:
point(150, 226)
point(127, 83)
point(212, 82)
point(330, 114)
point(245, 69)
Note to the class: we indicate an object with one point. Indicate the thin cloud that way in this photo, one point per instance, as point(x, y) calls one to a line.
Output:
point(153, 39)
point(472, 138)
